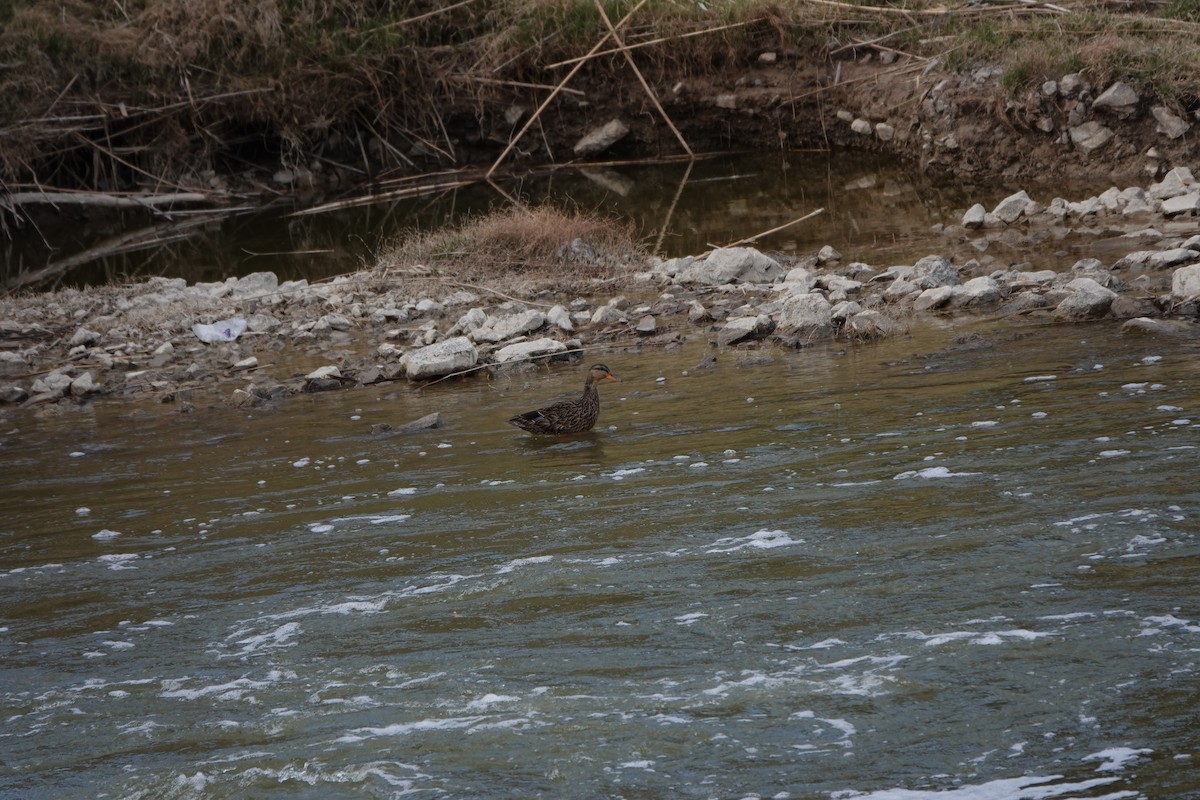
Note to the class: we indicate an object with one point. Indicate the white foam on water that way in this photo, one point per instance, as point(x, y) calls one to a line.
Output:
point(761, 540)
point(1024, 788)
point(282, 637)
point(304, 462)
point(382, 520)
point(105, 535)
point(490, 699)
point(932, 473)
point(517, 563)
point(118, 561)
point(1115, 758)
point(985, 423)
point(173, 688)
point(1040, 378)
point(406, 728)
point(620, 474)
point(689, 619)
point(1112, 453)
point(402, 491)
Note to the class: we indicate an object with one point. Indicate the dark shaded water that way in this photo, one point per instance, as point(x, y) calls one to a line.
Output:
point(896, 571)
point(875, 211)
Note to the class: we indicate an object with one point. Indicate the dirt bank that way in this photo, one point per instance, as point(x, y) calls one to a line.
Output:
point(326, 99)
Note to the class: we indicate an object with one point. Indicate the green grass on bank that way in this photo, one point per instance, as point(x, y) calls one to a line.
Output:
point(107, 94)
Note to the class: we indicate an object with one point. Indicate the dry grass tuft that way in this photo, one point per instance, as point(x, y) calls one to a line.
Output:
point(521, 250)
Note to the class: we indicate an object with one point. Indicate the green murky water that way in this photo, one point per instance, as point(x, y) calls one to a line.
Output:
point(875, 211)
point(906, 570)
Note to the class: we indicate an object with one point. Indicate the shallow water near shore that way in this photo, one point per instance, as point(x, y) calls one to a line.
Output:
point(875, 210)
point(909, 569)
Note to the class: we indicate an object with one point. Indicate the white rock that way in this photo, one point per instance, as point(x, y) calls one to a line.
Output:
point(739, 329)
point(806, 315)
point(560, 318)
point(934, 298)
point(498, 329)
point(522, 351)
point(1120, 99)
point(980, 291)
point(442, 358)
point(1088, 299)
point(1012, 207)
point(1183, 204)
point(600, 139)
point(1090, 137)
point(321, 373)
point(1168, 123)
point(254, 284)
point(1185, 283)
point(1176, 182)
point(732, 265)
point(974, 217)
point(84, 385)
point(860, 125)
point(84, 336)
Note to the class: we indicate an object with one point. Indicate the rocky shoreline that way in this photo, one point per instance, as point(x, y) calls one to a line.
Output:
point(252, 340)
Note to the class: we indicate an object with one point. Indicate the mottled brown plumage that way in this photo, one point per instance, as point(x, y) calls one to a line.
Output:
point(569, 416)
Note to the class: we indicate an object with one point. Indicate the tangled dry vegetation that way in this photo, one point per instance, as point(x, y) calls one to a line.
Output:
point(177, 94)
point(520, 251)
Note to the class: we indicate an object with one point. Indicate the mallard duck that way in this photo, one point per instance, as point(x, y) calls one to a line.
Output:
point(569, 416)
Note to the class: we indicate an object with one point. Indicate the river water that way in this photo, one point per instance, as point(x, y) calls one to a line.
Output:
point(932, 567)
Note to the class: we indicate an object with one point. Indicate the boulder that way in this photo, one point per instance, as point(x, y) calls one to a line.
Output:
point(1119, 99)
point(1176, 182)
point(1182, 204)
point(732, 265)
point(1169, 124)
point(932, 271)
point(937, 297)
point(806, 315)
point(975, 217)
point(253, 285)
point(980, 291)
point(1090, 137)
point(739, 329)
point(498, 329)
point(523, 351)
point(1012, 207)
point(1185, 284)
point(442, 358)
point(600, 139)
point(1087, 300)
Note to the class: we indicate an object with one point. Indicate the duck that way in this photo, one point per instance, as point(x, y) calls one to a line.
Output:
point(568, 416)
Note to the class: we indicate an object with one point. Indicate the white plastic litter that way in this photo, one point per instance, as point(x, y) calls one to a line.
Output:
point(224, 331)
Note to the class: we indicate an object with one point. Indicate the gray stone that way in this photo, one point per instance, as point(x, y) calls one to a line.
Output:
point(1176, 182)
point(935, 298)
point(1087, 300)
point(1090, 137)
point(253, 285)
point(1176, 256)
point(884, 132)
point(1158, 327)
point(523, 351)
point(1168, 123)
point(870, 324)
point(435, 360)
point(828, 255)
point(54, 383)
point(84, 336)
point(980, 291)
point(860, 125)
point(1185, 284)
point(334, 322)
point(471, 321)
point(323, 373)
point(798, 281)
point(606, 315)
point(732, 265)
point(84, 385)
point(560, 318)
point(498, 329)
point(975, 216)
point(1012, 207)
point(740, 329)
point(602, 138)
point(425, 423)
point(12, 393)
point(933, 271)
point(1071, 84)
point(1183, 204)
point(1119, 99)
point(806, 315)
